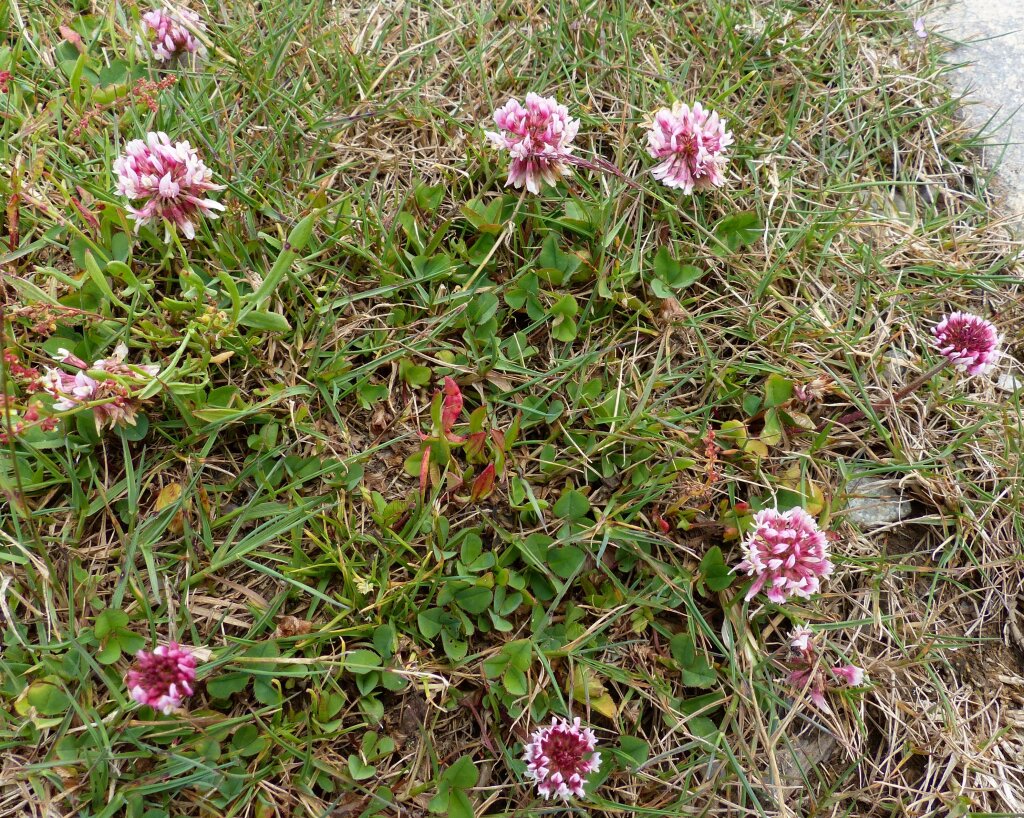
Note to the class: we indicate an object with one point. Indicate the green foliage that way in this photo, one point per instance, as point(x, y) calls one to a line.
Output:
point(695, 669)
point(452, 797)
point(374, 592)
point(111, 628)
point(736, 231)
point(714, 572)
point(670, 276)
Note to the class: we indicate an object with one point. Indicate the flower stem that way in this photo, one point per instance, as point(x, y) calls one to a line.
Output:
point(894, 398)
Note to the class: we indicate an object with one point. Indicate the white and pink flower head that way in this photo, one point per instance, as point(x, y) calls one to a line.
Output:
point(807, 670)
point(169, 179)
point(692, 145)
point(787, 554)
point(169, 32)
point(560, 756)
point(969, 342)
point(538, 137)
point(162, 678)
point(110, 399)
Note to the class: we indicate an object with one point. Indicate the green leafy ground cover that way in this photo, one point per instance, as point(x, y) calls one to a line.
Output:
point(643, 371)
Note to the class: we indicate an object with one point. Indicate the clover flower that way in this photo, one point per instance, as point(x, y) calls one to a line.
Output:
point(967, 341)
point(162, 678)
point(171, 181)
point(807, 671)
point(538, 139)
point(920, 29)
point(560, 756)
point(851, 674)
point(110, 399)
point(692, 144)
point(787, 553)
point(169, 34)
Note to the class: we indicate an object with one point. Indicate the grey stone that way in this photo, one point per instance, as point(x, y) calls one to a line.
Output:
point(992, 36)
point(873, 501)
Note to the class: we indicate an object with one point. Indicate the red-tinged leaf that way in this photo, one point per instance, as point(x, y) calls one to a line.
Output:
point(13, 221)
point(483, 485)
point(475, 444)
point(72, 37)
point(498, 437)
point(88, 197)
point(86, 213)
point(452, 405)
point(424, 471)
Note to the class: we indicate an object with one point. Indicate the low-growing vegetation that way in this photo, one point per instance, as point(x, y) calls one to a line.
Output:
point(503, 410)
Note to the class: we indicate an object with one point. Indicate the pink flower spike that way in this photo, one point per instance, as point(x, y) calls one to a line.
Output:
point(169, 34)
point(692, 144)
point(787, 553)
point(163, 678)
point(171, 181)
point(538, 138)
point(919, 28)
point(851, 674)
point(560, 757)
point(969, 342)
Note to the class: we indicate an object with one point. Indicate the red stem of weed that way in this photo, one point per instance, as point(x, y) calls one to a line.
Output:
point(894, 398)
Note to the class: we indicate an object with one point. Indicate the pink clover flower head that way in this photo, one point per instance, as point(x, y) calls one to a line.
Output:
point(787, 553)
point(969, 342)
point(560, 756)
point(169, 179)
point(169, 32)
point(113, 402)
point(538, 137)
point(162, 678)
point(692, 145)
point(919, 28)
point(851, 674)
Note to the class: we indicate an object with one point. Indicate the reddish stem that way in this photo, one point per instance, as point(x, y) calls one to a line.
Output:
point(894, 398)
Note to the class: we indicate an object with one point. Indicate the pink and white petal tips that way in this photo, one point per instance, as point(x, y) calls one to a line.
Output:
point(169, 32)
point(920, 29)
point(560, 756)
point(111, 401)
point(969, 342)
point(851, 674)
point(801, 639)
point(787, 554)
point(692, 144)
point(162, 678)
point(538, 137)
point(807, 669)
point(170, 180)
